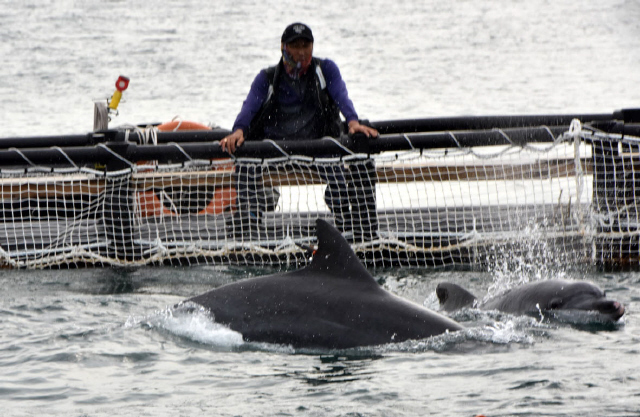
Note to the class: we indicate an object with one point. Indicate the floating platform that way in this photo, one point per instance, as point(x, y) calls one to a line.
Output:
point(504, 188)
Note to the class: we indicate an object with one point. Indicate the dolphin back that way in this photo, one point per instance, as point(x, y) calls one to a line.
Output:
point(334, 256)
point(453, 297)
point(333, 303)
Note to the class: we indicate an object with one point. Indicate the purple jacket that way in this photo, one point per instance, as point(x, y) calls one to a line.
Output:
point(260, 89)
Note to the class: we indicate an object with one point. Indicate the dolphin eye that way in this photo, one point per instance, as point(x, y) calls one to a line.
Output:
point(555, 304)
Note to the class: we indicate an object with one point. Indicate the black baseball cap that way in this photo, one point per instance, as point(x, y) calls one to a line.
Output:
point(295, 31)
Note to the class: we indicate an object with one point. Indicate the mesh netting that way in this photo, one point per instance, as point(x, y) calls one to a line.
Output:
point(573, 200)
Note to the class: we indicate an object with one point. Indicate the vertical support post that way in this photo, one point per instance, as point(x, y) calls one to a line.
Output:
point(118, 219)
point(362, 197)
point(118, 208)
point(100, 116)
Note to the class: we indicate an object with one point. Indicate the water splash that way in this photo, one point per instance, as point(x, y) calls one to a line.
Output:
point(496, 333)
point(195, 323)
point(192, 322)
point(534, 257)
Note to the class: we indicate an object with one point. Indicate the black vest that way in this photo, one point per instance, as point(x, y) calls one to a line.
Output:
point(318, 116)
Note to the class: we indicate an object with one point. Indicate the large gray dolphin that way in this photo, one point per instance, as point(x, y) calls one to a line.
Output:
point(536, 297)
point(332, 303)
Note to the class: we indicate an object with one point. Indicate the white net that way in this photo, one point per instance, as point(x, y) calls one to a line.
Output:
point(573, 200)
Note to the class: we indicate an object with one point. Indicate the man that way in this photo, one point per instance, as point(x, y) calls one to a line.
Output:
point(299, 98)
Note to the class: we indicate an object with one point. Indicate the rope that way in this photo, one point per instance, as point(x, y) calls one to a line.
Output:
point(179, 123)
point(504, 135)
point(19, 152)
point(126, 161)
point(575, 128)
point(404, 135)
point(340, 145)
point(146, 135)
point(66, 156)
point(181, 150)
point(275, 145)
point(455, 139)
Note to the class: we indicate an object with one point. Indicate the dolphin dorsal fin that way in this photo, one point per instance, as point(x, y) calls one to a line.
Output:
point(335, 256)
point(453, 297)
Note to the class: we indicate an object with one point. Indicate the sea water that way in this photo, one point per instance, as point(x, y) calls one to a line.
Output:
point(103, 342)
point(108, 342)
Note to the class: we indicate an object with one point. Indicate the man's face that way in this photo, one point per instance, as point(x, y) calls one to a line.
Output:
point(300, 50)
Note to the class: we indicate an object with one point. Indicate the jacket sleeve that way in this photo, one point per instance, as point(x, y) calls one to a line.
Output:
point(252, 104)
point(338, 90)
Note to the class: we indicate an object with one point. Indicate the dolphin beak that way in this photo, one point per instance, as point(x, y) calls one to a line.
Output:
point(619, 311)
point(610, 308)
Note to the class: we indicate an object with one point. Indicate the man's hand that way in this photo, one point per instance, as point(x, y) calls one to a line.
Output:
point(232, 141)
point(356, 127)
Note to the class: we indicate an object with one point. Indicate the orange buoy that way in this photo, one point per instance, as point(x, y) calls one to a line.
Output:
point(175, 125)
point(151, 206)
point(224, 200)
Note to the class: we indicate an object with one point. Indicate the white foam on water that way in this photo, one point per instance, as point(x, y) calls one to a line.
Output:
point(195, 324)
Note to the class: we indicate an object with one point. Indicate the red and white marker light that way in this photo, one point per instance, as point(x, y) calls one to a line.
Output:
point(121, 84)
